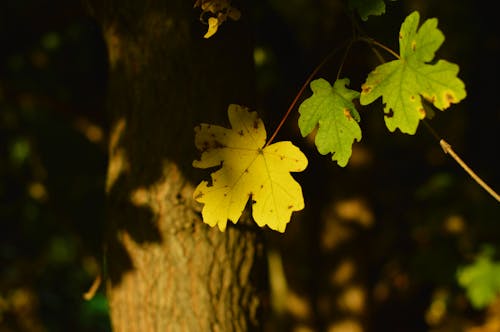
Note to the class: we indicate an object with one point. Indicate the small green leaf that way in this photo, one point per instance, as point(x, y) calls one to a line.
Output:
point(481, 280)
point(331, 108)
point(402, 83)
point(366, 8)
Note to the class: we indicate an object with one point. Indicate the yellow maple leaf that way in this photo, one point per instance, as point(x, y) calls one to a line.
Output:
point(249, 170)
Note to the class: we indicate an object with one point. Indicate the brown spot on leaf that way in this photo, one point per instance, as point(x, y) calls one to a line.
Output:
point(347, 114)
point(256, 124)
point(205, 146)
point(282, 157)
point(218, 144)
point(366, 88)
point(449, 97)
point(261, 186)
point(421, 112)
point(412, 98)
point(400, 36)
point(240, 132)
point(290, 206)
point(430, 99)
point(413, 45)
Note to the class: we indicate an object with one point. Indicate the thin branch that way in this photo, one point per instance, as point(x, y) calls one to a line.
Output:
point(377, 54)
point(88, 295)
point(448, 150)
point(343, 59)
point(301, 91)
point(382, 46)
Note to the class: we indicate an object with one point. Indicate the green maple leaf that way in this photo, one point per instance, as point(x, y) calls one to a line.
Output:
point(402, 83)
point(332, 109)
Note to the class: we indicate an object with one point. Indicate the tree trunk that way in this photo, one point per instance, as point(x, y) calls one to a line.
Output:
point(167, 270)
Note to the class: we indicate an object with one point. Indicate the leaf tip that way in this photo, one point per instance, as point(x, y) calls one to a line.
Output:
point(222, 225)
point(213, 25)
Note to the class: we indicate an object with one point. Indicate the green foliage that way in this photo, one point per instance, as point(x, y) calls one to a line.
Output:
point(481, 279)
point(51, 177)
point(402, 83)
point(333, 110)
point(366, 8)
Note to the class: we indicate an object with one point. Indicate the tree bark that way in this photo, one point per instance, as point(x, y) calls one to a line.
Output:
point(167, 270)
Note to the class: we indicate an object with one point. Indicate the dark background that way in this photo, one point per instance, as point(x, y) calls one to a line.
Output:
point(380, 241)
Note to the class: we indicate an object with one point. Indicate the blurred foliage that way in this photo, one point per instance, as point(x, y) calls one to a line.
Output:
point(52, 165)
point(379, 244)
point(481, 279)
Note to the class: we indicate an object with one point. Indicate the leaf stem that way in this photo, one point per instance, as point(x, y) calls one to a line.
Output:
point(348, 48)
point(89, 295)
point(301, 91)
point(448, 150)
point(382, 46)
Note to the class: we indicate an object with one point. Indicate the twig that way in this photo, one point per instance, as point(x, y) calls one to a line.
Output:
point(89, 295)
point(301, 91)
point(382, 46)
point(448, 150)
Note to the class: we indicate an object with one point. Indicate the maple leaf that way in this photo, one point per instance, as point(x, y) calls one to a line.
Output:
point(366, 8)
point(402, 83)
point(331, 108)
point(249, 170)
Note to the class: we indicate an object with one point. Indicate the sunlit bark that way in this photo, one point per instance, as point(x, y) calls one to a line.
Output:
point(167, 271)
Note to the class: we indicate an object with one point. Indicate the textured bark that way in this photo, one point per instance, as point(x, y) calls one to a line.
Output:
point(167, 271)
